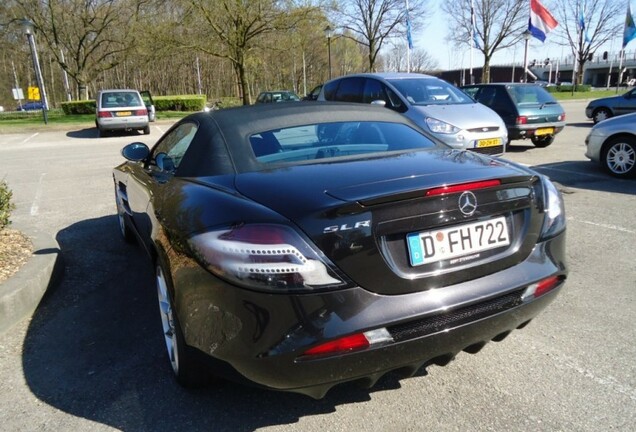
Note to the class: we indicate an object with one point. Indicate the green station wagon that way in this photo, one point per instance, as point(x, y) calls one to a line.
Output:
point(528, 110)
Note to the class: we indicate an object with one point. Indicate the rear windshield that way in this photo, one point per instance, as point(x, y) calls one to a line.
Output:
point(335, 140)
point(430, 91)
point(529, 94)
point(120, 99)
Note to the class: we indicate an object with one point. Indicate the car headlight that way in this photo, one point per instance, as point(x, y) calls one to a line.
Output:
point(554, 209)
point(267, 257)
point(438, 126)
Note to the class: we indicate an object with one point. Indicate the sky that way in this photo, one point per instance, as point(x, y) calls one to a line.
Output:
point(449, 58)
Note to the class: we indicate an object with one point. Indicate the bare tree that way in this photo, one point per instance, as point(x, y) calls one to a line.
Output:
point(237, 27)
point(602, 21)
point(86, 37)
point(420, 60)
point(372, 22)
point(499, 24)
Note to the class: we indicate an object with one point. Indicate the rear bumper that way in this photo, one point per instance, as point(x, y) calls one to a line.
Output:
point(518, 132)
point(122, 123)
point(262, 337)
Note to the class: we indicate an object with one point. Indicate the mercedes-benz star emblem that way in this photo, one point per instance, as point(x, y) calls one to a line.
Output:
point(467, 203)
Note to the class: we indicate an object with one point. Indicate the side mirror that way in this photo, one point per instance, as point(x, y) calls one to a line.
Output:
point(378, 102)
point(135, 152)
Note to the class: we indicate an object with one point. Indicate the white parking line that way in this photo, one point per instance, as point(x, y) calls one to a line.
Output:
point(35, 206)
point(160, 130)
point(606, 226)
point(29, 138)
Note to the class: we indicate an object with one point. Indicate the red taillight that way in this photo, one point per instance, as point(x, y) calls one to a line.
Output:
point(543, 286)
point(141, 112)
point(463, 187)
point(103, 114)
point(546, 285)
point(522, 120)
point(257, 234)
point(347, 343)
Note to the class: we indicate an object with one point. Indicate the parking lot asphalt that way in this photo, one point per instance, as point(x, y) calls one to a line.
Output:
point(91, 357)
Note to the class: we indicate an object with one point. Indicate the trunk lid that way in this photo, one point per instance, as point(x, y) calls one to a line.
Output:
point(360, 213)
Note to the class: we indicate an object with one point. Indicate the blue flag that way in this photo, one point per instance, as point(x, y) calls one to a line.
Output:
point(408, 31)
point(582, 25)
point(630, 28)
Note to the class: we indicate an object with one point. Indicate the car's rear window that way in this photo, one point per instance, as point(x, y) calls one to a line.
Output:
point(529, 94)
point(430, 91)
point(120, 99)
point(335, 140)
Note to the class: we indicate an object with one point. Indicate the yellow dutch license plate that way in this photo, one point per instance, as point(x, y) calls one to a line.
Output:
point(124, 114)
point(544, 131)
point(488, 142)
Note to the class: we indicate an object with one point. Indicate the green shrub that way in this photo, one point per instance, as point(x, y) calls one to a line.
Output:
point(6, 206)
point(79, 107)
point(179, 103)
point(568, 88)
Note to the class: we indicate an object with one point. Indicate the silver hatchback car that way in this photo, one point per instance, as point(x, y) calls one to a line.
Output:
point(612, 144)
point(122, 109)
point(435, 105)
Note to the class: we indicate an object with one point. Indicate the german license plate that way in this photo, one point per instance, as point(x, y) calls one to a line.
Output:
point(124, 113)
point(459, 243)
point(544, 131)
point(488, 142)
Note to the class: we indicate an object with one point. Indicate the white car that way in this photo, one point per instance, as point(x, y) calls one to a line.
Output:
point(121, 109)
point(612, 143)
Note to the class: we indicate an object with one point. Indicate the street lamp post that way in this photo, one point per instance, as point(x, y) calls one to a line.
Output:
point(328, 32)
point(526, 36)
point(27, 25)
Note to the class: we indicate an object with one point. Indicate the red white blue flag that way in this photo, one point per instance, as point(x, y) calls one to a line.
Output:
point(541, 21)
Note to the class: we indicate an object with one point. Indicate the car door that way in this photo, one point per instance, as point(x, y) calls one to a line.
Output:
point(148, 182)
point(150, 105)
point(627, 104)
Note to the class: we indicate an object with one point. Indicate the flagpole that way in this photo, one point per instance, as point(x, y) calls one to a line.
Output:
point(472, 40)
point(408, 43)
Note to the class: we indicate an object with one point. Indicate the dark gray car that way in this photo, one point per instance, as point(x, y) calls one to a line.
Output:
point(604, 108)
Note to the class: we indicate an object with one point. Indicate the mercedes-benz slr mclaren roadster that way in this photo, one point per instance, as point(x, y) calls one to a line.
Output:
point(300, 246)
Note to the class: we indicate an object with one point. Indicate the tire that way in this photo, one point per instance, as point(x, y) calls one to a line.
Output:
point(101, 133)
point(146, 130)
point(124, 230)
point(542, 141)
point(601, 114)
point(619, 157)
point(188, 371)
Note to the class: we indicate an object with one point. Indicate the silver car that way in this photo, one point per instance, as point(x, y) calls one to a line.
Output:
point(121, 109)
point(435, 105)
point(612, 143)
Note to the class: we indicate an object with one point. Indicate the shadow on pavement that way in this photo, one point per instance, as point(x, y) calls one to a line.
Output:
point(87, 133)
point(586, 175)
point(94, 350)
point(93, 133)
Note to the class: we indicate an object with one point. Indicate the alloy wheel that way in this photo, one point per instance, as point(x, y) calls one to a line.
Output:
point(167, 320)
point(621, 158)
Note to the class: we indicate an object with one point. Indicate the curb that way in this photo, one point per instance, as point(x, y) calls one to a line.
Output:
point(22, 292)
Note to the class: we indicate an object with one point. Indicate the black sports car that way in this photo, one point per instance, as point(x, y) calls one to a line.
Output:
point(299, 246)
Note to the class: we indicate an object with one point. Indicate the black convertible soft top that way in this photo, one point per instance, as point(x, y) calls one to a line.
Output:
point(222, 144)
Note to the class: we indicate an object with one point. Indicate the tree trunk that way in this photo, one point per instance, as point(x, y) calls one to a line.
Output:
point(239, 69)
point(485, 74)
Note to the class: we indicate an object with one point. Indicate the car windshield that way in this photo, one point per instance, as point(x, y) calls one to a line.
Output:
point(335, 140)
point(430, 91)
point(529, 94)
